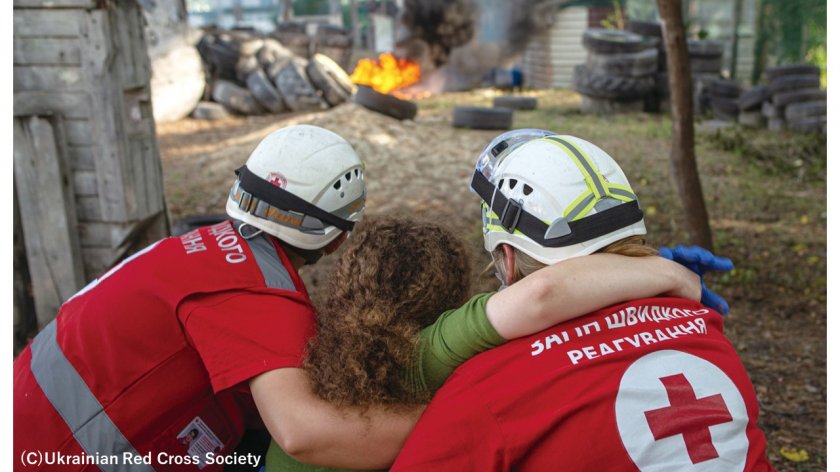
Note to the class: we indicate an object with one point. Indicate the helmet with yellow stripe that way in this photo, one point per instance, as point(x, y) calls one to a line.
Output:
point(553, 196)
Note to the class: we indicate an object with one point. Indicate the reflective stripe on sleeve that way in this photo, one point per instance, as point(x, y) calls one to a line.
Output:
point(272, 268)
point(78, 406)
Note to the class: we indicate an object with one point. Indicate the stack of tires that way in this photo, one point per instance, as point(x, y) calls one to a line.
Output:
point(705, 59)
point(749, 105)
point(250, 74)
point(722, 96)
point(660, 97)
point(619, 72)
point(795, 99)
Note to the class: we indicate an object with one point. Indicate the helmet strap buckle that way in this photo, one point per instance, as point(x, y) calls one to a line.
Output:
point(509, 218)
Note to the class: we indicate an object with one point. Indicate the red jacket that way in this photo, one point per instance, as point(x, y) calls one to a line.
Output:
point(647, 385)
point(153, 358)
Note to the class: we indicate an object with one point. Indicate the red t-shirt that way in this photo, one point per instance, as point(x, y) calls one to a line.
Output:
point(647, 385)
point(166, 343)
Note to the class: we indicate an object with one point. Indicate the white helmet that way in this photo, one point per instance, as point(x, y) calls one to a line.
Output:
point(302, 184)
point(553, 197)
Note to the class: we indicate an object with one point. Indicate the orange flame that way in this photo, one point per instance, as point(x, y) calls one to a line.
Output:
point(386, 74)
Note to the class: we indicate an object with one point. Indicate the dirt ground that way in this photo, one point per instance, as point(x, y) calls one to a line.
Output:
point(765, 192)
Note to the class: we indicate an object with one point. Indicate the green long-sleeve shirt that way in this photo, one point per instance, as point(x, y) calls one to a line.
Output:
point(456, 336)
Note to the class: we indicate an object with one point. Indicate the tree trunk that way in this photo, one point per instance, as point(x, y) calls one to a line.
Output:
point(683, 161)
point(733, 68)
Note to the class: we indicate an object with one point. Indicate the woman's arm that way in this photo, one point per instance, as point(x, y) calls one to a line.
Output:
point(314, 431)
point(581, 285)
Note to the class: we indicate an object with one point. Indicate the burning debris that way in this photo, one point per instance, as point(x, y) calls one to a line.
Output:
point(441, 24)
point(387, 74)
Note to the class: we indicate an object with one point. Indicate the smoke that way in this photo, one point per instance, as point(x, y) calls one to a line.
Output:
point(441, 24)
point(444, 36)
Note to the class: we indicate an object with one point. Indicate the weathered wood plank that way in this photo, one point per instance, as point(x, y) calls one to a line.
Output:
point(48, 78)
point(67, 104)
point(81, 157)
point(106, 124)
point(84, 183)
point(79, 132)
point(47, 23)
point(133, 66)
point(88, 4)
point(98, 260)
point(89, 208)
point(105, 235)
point(48, 213)
point(47, 51)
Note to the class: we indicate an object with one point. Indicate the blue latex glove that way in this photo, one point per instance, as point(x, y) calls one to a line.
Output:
point(699, 261)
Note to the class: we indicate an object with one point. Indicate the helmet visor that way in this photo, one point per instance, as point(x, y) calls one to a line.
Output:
point(501, 146)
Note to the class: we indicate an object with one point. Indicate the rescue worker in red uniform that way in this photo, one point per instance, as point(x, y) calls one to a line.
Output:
point(164, 361)
point(650, 385)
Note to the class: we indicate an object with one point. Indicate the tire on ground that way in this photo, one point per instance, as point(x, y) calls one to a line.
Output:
point(293, 84)
point(772, 111)
point(482, 118)
point(635, 64)
point(606, 86)
point(724, 88)
point(271, 52)
point(263, 90)
point(210, 111)
point(244, 66)
point(188, 223)
point(799, 111)
point(644, 28)
point(796, 96)
point(774, 73)
point(330, 79)
point(236, 98)
point(385, 104)
point(753, 98)
point(606, 41)
point(704, 48)
point(787, 83)
point(515, 102)
point(811, 124)
point(705, 65)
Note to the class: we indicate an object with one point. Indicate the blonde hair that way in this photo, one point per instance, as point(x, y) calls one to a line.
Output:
point(633, 246)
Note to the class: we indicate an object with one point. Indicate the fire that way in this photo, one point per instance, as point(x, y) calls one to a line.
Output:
point(386, 74)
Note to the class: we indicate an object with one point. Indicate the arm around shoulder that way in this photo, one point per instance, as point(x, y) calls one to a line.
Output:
point(316, 432)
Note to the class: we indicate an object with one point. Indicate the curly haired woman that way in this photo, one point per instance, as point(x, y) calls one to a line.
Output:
point(391, 331)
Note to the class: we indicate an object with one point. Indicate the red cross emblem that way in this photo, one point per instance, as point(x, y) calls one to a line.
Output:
point(690, 416)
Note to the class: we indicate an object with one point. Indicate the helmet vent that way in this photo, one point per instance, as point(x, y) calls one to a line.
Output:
point(356, 171)
point(501, 182)
point(347, 176)
point(512, 183)
point(526, 189)
point(337, 184)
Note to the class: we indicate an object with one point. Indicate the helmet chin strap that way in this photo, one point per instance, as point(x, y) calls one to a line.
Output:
point(309, 256)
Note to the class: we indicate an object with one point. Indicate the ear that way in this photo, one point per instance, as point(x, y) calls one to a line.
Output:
point(336, 243)
point(510, 264)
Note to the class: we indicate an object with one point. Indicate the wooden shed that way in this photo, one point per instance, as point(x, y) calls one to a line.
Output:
point(88, 183)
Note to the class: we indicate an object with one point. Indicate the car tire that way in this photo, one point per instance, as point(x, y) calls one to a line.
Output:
point(607, 41)
point(235, 98)
point(774, 73)
point(705, 65)
point(293, 84)
point(771, 111)
point(636, 64)
point(788, 83)
point(724, 88)
point(725, 106)
point(651, 29)
point(704, 48)
point(796, 96)
point(263, 90)
point(271, 52)
point(751, 100)
point(799, 111)
point(811, 124)
point(210, 111)
point(604, 106)
point(330, 79)
point(189, 223)
point(482, 118)
point(386, 104)
point(607, 86)
point(515, 102)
